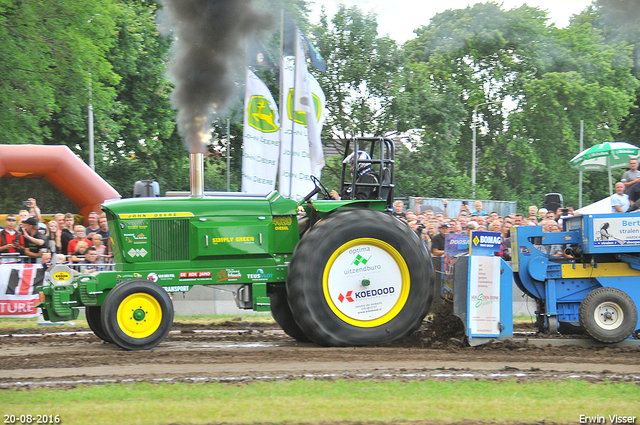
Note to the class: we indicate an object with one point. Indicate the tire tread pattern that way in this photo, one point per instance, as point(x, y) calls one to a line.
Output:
point(110, 312)
point(304, 281)
point(281, 312)
point(94, 320)
point(599, 296)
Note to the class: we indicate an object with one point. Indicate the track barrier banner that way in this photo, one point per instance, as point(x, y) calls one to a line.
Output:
point(19, 289)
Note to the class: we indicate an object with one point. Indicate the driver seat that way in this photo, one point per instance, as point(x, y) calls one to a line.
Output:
point(385, 185)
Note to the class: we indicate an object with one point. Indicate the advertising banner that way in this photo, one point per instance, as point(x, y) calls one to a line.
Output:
point(616, 231)
point(261, 138)
point(18, 289)
point(454, 246)
point(485, 243)
point(484, 296)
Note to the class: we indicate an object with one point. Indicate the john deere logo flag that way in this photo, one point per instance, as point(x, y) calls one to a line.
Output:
point(261, 138)
point(300, 117)
point(261, 116)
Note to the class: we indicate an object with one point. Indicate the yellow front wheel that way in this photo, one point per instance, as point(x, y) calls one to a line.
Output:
point(137, 314)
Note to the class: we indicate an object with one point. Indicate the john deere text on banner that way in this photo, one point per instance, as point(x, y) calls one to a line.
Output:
point(261, 138)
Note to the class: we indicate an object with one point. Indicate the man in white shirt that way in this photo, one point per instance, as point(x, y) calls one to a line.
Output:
point(619, 200)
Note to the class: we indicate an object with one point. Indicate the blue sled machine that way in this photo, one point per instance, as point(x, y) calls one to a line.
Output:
point(598, 289)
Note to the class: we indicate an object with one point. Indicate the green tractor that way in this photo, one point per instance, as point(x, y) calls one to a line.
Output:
point(342, 273)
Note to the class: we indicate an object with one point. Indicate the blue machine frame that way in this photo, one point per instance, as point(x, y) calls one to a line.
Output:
point(606, 251)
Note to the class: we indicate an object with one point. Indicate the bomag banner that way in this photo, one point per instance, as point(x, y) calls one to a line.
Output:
point(19, 289)
point(261, 138)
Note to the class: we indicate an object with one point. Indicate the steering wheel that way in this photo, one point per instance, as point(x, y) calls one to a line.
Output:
point(320, 188)
point(323, 190)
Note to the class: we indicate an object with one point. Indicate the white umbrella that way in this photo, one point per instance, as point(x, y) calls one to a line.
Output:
point(605, 156)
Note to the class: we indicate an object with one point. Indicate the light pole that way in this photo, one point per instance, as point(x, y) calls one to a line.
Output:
point(473, 147)
point(90, 126)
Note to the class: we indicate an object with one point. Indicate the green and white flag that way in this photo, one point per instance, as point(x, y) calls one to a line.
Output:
point(261, 138)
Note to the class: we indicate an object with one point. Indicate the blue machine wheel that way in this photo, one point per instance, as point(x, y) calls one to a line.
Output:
point(608, 315)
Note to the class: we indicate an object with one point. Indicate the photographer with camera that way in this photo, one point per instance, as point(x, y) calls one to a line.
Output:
point(34, 211)
point(464, 209)
point(34, 240)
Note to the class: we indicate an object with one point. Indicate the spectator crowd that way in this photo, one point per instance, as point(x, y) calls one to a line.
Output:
point(26, 238)
point(432, 226)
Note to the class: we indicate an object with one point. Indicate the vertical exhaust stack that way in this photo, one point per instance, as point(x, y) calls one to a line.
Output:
point(196, 174)
point(208, 59)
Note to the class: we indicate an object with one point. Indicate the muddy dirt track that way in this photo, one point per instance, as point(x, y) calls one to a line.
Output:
point(242, 351)
point(238, 352)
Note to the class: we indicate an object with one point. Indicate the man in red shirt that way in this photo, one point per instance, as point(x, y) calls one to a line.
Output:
point(8, 234)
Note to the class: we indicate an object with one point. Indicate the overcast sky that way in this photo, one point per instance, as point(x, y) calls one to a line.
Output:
point(399, 18)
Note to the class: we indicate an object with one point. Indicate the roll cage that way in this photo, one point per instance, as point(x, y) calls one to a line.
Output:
point(382, 153)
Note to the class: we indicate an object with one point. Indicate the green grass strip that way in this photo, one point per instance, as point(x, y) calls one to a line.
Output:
point(312, 401)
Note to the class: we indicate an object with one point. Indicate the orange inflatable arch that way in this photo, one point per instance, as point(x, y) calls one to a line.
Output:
point(59, 166)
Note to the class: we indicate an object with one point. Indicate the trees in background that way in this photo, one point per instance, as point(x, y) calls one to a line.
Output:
point(361, 82)
point(548, 80)
point(53, 59)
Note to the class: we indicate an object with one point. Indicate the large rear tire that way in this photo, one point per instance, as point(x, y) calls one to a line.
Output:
point(608, 315)
point(283, 316)
point(359, 277)
point(137, 314)
point(94, 319)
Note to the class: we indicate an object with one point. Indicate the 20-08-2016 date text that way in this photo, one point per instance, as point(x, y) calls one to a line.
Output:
point(32, 419)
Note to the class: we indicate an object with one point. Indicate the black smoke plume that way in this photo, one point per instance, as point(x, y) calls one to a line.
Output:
point(208, 53)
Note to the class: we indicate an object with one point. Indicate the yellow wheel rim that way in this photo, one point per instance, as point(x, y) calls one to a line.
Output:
point(366, 282)
point(139, 315)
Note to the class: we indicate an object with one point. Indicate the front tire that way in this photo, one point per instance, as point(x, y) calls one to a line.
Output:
point(608, 315)
point(94, 320)
point(359, 277)
point(137, 314)
point(283, 316)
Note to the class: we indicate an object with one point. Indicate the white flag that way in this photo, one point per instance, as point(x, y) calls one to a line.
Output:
point(307, 94)
point(261, 138)
point(302, 125)
point(315, 120)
